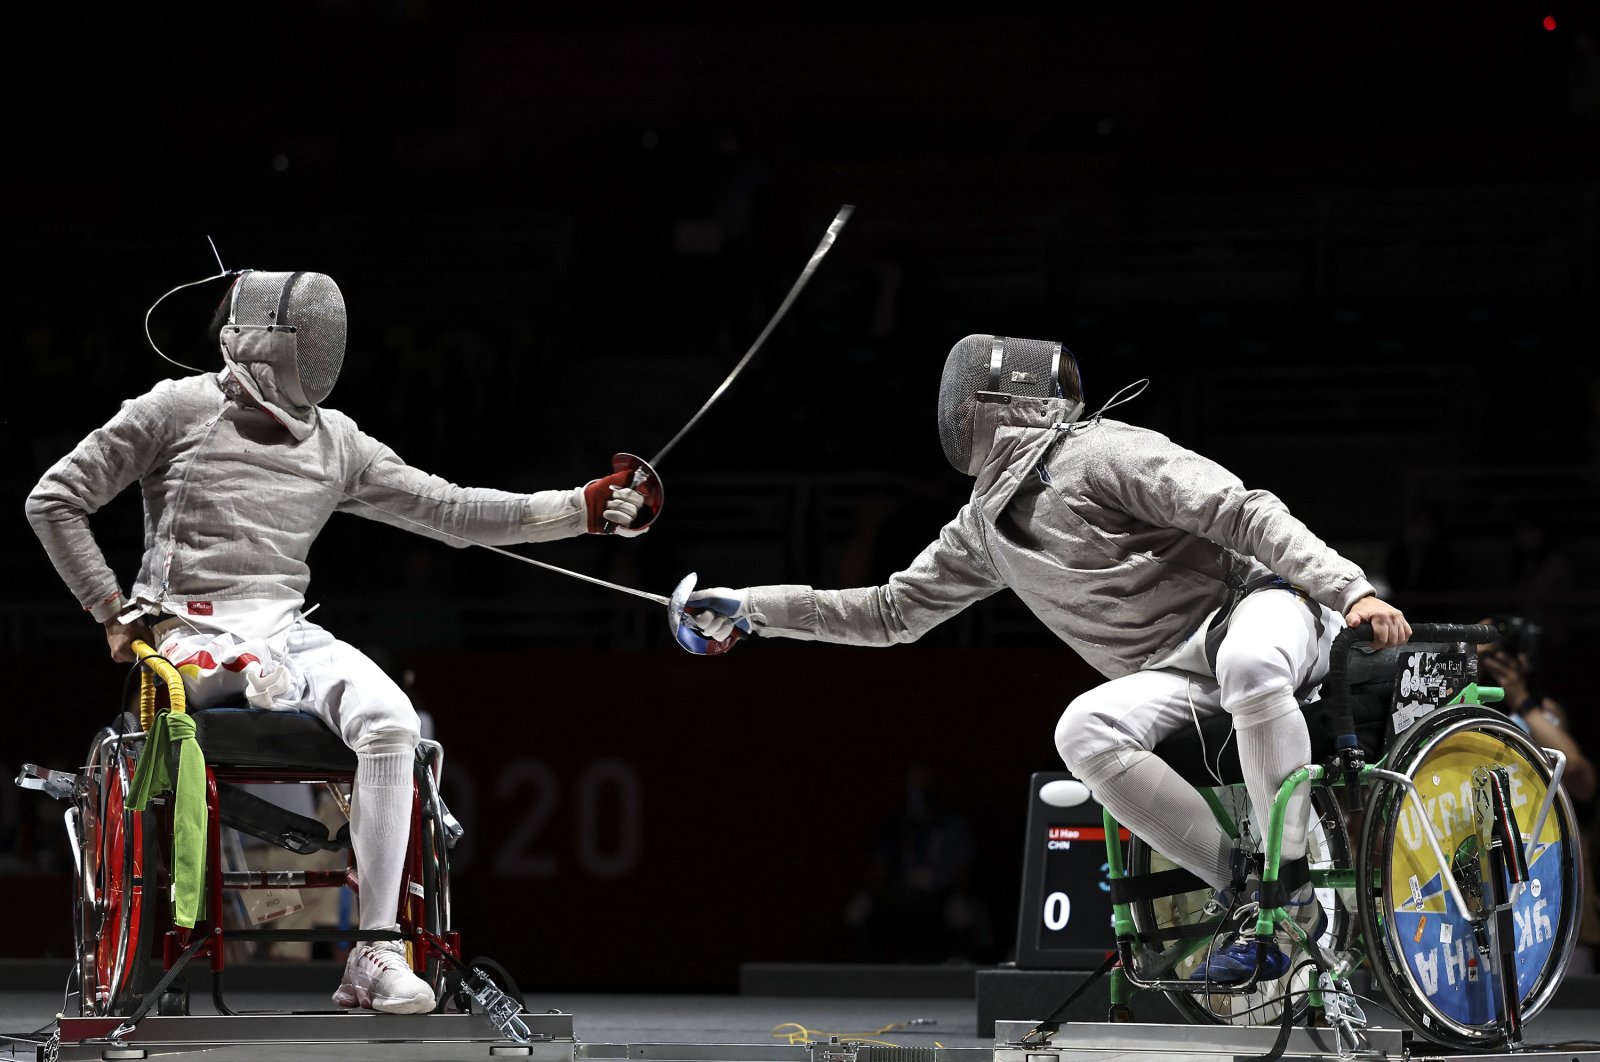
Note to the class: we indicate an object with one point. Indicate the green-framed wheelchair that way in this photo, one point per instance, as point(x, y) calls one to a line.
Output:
point(1450, 867)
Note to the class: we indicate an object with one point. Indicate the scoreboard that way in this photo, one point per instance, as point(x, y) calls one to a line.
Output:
point(1065, 914)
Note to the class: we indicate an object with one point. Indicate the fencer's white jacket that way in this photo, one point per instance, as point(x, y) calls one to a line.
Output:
point(233, 501)
point(1125, 547)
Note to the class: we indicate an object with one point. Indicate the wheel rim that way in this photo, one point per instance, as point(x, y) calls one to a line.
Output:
point(1424, 951)
point(116, 954)
point(108, 925)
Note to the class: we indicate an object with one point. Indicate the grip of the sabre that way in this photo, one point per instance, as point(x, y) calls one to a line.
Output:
point(647, 481)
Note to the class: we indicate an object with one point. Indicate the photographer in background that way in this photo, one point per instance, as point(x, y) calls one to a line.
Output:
point(1511, 662)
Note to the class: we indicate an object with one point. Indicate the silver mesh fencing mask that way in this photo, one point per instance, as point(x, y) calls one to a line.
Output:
point(285, 336)
point(984, 369)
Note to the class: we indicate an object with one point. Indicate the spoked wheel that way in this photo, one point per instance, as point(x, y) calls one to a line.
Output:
point(1327, 849)
point(1424, 953)
point(435, 878)
point(113, 924)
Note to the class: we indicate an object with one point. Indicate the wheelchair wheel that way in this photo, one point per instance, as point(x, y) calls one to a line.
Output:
point(1327, 849)
point(1423, 952)
point(435, 879)
point(112, 922)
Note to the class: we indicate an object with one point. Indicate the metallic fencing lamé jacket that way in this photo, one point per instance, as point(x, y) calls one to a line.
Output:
point(1124, 543)
point(232, 501)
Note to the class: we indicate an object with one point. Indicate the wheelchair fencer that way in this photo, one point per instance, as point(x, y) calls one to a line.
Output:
point(1460, 894)
point(129, 862)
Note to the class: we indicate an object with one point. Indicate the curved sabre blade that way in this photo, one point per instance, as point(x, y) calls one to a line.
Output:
point(805, 276)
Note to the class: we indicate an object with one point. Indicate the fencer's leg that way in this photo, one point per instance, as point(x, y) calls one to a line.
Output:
point(375, 718)
point(380, 821)
point(1152, 800)
point(1271, 649)
point(377, 975)
point(1102, 737)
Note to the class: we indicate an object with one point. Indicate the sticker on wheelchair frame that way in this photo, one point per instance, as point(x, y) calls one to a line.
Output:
point(1426, 683)
point(415, 888)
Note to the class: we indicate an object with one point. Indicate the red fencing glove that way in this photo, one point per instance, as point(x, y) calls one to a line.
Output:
point(611, 502)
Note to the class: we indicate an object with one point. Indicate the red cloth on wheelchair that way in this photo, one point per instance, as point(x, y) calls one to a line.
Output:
point(250, 737)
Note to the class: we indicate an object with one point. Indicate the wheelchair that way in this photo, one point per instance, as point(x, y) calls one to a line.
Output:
point(124, 859)
point(1460, 894)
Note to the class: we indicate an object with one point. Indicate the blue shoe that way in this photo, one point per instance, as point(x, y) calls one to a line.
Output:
point(1234, 964)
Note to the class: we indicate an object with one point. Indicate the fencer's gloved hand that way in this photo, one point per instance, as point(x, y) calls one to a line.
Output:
point(716, 611)
point(611, 502)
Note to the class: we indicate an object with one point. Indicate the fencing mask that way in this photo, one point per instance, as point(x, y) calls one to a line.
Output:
point(995, 369)
point(284, 342)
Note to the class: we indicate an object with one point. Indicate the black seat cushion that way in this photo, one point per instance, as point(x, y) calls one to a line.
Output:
point(238, 736)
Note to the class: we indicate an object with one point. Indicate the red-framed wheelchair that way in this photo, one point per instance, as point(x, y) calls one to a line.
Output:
point(122, 914)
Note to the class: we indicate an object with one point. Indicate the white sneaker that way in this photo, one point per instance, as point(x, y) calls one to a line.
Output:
point(377, 977)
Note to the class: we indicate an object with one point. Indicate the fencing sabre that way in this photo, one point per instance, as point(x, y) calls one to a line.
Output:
point(644, 472)
point(674, 604)
point(788, 300)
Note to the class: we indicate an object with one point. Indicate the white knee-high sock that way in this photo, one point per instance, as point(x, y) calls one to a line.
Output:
point(380, 825)
point(1273, 741)
point(1152, 800)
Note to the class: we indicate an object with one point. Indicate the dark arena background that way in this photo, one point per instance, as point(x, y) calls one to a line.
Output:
point(1353, 247)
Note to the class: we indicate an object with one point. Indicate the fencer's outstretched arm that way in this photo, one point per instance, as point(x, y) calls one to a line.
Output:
point(951, 573)
point(390, 491)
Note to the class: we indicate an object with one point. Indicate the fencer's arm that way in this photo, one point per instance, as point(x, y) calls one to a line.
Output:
point(81, 483)
point(951, 573)
point(392, 492)
point(1169, 486)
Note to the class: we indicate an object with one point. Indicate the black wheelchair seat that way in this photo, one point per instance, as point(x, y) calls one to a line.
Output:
point(239, 736)
point(1373, 679)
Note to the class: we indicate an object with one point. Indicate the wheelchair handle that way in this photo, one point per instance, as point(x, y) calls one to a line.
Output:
point(149, 661)
point(1337, 686)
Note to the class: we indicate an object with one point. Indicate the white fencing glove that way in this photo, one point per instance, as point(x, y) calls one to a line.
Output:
point(717, 610)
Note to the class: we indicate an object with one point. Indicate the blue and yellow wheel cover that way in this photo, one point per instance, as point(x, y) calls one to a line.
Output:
point(1441, 954)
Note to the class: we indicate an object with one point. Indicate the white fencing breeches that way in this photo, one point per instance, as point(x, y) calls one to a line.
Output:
point(307, 669)
point(1274, 645)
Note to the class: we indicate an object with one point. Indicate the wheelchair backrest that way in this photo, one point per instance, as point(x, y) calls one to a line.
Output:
point(1392, 689)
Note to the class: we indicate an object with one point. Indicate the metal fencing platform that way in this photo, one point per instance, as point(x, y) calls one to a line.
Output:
point(448, 1037)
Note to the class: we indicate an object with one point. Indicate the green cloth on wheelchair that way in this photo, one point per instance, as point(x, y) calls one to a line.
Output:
point(153, 776)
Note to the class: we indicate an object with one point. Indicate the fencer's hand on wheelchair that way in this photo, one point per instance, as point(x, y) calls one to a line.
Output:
point(1389, 626)
point(1460, 893)
point(121, 636)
